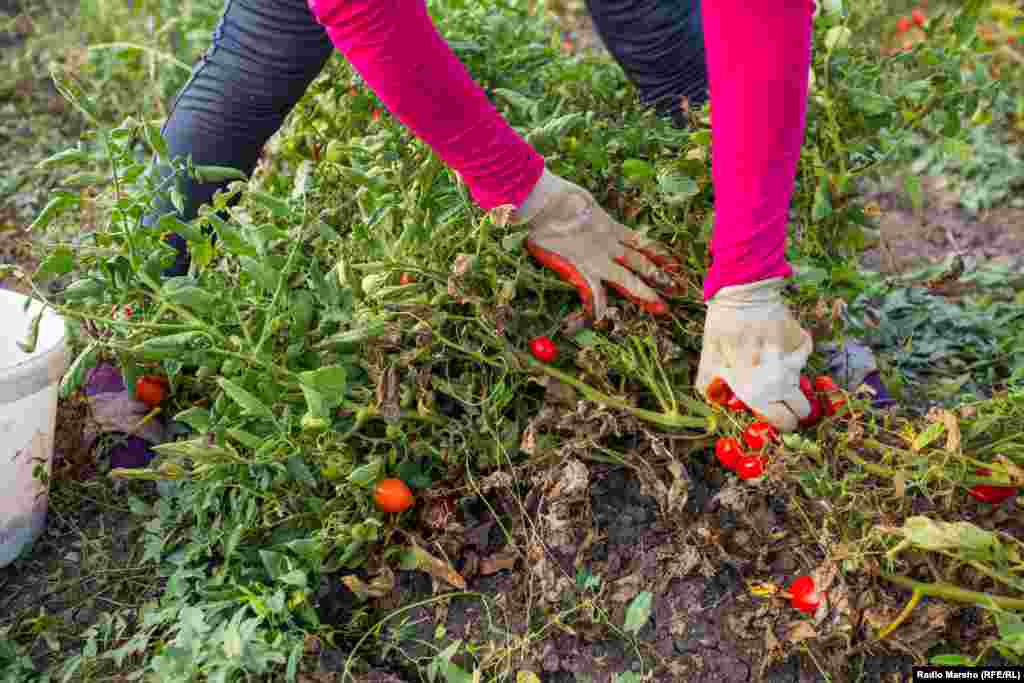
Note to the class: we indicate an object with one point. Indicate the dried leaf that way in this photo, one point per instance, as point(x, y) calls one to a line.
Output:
point(800, 631)
point(381, 584)
point(498, 562)
point(574, 478)
point(387, 394)
point(928, 534)
point(899, 483)
point(626, 588)
point(436, 567)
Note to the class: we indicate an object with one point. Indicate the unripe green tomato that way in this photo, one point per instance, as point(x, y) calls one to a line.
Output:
point(335, 151)
point(312, 423)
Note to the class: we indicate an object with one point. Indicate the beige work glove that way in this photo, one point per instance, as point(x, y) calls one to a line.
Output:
point(754, 344)
point(573, 236)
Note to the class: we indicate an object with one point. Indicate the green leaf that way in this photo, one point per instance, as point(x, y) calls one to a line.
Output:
point(168, 346)
point(51, 211)
point(638, 612)
point(822, 200)
point(677, 189)
point(194, 298)
point(299, 471)
point(303, 305)
point(249, 403)
point(58, 262)
point(367, 474)
point(912, 186)
point(171, 223)
point(218, 174)
point(277, 206)
point(292, 671)
point(86, 288)
point(197, 418)
point(928, 436)
point(156, 140)
point(276, 564)
point(246, 439)
point(637, 170)
point(76, 372)
point(265, 276)
point(931, 535)
point(330, 380)
point(68, 156)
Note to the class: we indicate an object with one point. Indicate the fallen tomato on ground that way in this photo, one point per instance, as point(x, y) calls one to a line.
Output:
point(543, 349)
point(758, 435)
point(804, 596)
point(151, 390)
point(728, 451)
point(392, 495)
point(987, 493)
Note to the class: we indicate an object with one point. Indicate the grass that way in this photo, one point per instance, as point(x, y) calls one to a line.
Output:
point(236, 576)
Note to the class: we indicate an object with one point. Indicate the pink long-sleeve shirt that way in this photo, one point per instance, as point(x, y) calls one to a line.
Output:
point(758, 58)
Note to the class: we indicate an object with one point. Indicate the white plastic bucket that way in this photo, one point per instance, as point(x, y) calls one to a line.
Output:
point(29, 384)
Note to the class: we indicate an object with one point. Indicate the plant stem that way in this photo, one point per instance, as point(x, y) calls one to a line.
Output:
point(948, 591)
point(670, 420)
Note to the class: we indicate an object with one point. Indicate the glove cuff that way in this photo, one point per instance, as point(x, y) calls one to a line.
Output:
point(547, 187)
point(756, 293)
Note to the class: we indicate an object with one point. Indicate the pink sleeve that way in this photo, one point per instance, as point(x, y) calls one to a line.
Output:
point(395, 47)
point(758, 55)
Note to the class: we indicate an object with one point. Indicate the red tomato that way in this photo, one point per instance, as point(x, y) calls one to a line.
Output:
point(987, 493)
point(758, 434)
point(903, 25)
point(718, 392)
point(736, 405)
point(151, 390)
point(406, 279)
point(544, 349)
point(825, 384)
point(729, 452)
point(804, 597)
point(392, 495)
point(808, 390)
point(919, 17)
point(750, 467)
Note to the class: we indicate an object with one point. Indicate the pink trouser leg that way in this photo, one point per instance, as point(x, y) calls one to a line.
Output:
point(395, 47)
point(758, 56)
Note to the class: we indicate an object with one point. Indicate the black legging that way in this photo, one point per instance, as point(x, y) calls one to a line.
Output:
point(265, 53)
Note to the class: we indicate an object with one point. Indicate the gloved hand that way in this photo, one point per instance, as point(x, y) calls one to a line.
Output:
point(572, 235)
point(754, 344)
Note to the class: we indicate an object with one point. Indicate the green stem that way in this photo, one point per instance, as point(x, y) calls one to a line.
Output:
point(670, 420)
point(948, 591)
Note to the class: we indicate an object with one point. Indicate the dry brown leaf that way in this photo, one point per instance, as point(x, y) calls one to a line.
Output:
point(387, 394)
point(320, 677)
point(800, 631)
point(825, 575)
point(1015, 471)
point(498, 562)
point(437, 567)
point(899, 483)
point(626, 588)
point(381, 584)
point(573, 479)
point(953, 437)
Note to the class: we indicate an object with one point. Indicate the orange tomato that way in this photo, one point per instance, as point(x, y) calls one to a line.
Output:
point(392, 495)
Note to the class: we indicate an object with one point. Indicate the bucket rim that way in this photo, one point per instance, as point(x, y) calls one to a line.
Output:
point(42, 352)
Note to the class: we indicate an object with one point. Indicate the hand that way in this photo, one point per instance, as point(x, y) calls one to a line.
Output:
point(754, 344)
point(573, 236)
